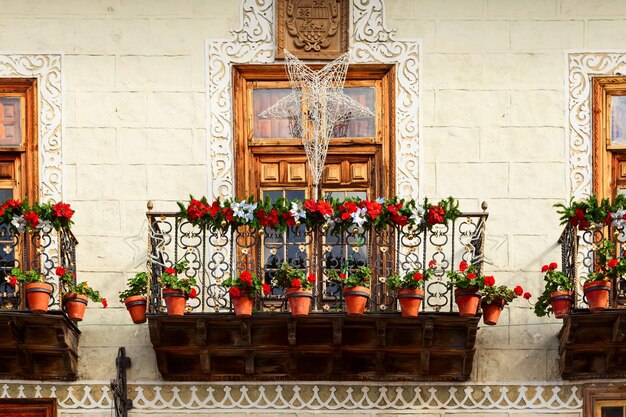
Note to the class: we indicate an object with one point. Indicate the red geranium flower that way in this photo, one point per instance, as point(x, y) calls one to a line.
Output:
point(13, 204)
point(262, 216)
point(432, 264)
point(553, 266)
point(288, 218)
point(296, 283)
point(246, 278)
point(527, 295)
point(193, 293)
point(311, 278)
point(399, 220)
point(170, 271)
point(228, 214)
point(266, 288)
point(612, 263)
point(545, 268)
point(471, 276)
point(104, 303)
point(310, 205)
point(463, 266)
point(490, 281)
point(342, 275)
point(12, 280)
point(234, 292)
point(435, 214)
point(324, 208)
point(196, 209)
point(518, 290)
point(60, 271)
point(417, 276)
point(32, 218)
point(63, 210)
point(214, 209)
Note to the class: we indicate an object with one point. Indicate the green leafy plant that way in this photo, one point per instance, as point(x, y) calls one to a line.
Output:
point(247, 283)
point(607, 267)
point(69, 286)
point(289, 277)
point(554, 281)
point(584, 213)
point(359, 278)
point(412, 280)
point(28, 277)
point(138, 285)
point(169, 279)
point(501, 294)
point(467, 277)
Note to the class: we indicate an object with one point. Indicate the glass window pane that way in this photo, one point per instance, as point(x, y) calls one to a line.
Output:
point(5, 194)
point(10, 121)
point(262, 99)
point(618, 120)
point(612, 411)
point(359, 128)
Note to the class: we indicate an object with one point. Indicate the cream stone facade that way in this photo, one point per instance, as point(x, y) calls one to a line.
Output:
point(499, 118)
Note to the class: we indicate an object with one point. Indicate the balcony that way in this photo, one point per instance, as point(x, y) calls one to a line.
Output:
point(591, 344)
point(210, 343)
point(36, 346)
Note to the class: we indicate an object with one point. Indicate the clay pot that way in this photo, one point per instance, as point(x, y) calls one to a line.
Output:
point(597, 294)
point(75, 305)
point(175, 301)
point(299, 301)
point(467, 300)
point(356, 299)
point(38, 296)
point(491, 312)
point(242, 305)
point(561, 302)
point(410, 301)
point(136, 306)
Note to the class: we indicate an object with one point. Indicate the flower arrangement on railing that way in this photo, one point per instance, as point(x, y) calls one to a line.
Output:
point(472, 289)
point(22, 216)
point(243, 289)
point(334, 215)
point(410, 288)
point(591, 211)
point(607, 269)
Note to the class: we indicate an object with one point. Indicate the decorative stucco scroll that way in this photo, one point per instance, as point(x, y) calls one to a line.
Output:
point(47, 69)
point(253, 42)
point(581, 67)
point(399, 398)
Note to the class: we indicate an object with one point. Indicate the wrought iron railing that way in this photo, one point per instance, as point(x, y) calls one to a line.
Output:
point(216, 254)
point(578, 253)
point(40, 250)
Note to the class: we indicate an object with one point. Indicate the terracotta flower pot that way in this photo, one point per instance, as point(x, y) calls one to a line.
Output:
point(410, 301)
point(174, 301)
point(242, 305)
point(356, 299)
point(299, 301)
point(467, 300)
point(561, 302)
point(491, 312)
point(136, 306)
point(38, 296)
point(597, 294)
point(75, 305)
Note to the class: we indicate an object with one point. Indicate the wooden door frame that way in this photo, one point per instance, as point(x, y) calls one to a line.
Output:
point(46, 406)
point(245, 174)
point(593, 395)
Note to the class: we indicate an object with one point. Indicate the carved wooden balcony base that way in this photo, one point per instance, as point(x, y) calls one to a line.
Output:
point(321, 346)
point(593, 345)
point(38, 346)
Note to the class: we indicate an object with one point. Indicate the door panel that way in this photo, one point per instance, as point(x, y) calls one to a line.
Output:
point(40, 407)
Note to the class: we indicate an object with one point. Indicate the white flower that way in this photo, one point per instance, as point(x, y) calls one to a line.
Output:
point(19, 223)
point(358, 217)
point(380, 200)
point(46, 226)
point(297, 211)
point(249, 211)
point(618, 220)
point(238, 209)
point(417, 215)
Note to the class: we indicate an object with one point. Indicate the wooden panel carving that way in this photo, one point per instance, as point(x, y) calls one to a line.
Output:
point(296, 172)
point(319, 347)
point(312, 29)
point(31, 407)
point(10, 121)
point(332, 174)
point(269, 172)
point(359, 172)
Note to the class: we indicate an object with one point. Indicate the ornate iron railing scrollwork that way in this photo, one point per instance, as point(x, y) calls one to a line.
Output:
point(216, 254)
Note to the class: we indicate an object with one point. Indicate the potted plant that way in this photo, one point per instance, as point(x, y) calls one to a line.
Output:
point(38, 291)
point(494, 298)
point(76, 296)
point(467, 285)
point(410, 289)
point(242, 291)
point(557, 294)
point(607, 269)
point(356, 289)
point(297, 288)
point(176, 290)
point(135, 297)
